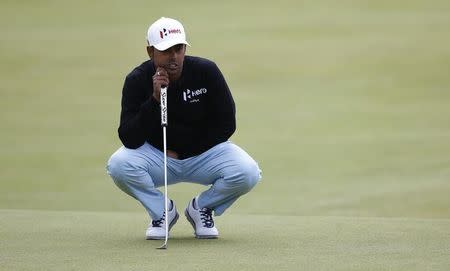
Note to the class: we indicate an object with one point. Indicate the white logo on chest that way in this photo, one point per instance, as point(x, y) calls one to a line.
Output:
point(192, 96)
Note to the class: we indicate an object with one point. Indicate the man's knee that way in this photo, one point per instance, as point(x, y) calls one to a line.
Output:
point(121, 166)
point(248, 175)
point(115, 166)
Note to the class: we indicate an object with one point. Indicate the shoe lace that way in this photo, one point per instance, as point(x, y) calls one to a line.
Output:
point(159, 222)
point(206, 217)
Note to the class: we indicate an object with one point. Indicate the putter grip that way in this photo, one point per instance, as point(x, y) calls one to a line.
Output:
point(163, 99)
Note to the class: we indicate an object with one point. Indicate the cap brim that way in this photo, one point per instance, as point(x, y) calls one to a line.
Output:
point(162, 46)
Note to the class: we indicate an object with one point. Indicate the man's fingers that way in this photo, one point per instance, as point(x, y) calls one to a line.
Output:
point(158, 83)
point(160, 79)
point(161, 71)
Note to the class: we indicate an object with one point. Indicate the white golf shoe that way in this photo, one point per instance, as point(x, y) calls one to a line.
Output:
point(157, 229)
point(201, 220)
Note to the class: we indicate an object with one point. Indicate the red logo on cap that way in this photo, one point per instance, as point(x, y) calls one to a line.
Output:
point(174, 31)
point(165, 32)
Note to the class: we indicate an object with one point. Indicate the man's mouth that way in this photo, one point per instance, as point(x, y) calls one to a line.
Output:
point(172, 66)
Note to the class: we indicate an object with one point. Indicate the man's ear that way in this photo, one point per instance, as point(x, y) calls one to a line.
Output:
point(150, 51)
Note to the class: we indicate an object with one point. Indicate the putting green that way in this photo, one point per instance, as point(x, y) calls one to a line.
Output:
point(63, 240)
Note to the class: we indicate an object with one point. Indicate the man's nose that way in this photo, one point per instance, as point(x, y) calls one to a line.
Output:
point(172, 52)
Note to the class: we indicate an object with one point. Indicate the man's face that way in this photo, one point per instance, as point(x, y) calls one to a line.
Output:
point(170, 60)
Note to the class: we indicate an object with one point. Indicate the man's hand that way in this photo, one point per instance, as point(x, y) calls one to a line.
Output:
point(172, 154)
point(160, 78)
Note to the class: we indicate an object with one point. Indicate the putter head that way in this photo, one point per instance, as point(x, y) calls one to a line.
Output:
point(164, 246)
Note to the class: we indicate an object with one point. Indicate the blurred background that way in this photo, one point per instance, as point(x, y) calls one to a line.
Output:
point(344, 104)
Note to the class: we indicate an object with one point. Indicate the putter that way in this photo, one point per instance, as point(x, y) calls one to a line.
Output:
point(163, 99)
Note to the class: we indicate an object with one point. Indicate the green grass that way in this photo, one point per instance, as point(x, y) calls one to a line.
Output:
point(69, 240)
point(345, 105)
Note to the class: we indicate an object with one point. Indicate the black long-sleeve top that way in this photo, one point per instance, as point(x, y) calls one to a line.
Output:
point(200, 109)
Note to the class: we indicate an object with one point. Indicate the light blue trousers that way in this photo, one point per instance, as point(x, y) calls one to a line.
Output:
point(229, 170)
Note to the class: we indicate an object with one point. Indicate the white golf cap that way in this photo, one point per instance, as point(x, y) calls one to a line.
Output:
point(165, 33)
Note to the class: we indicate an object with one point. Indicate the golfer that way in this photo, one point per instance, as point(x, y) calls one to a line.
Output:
point(201, 114)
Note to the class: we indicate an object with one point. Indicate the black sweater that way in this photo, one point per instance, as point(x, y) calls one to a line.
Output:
point(200, 109)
